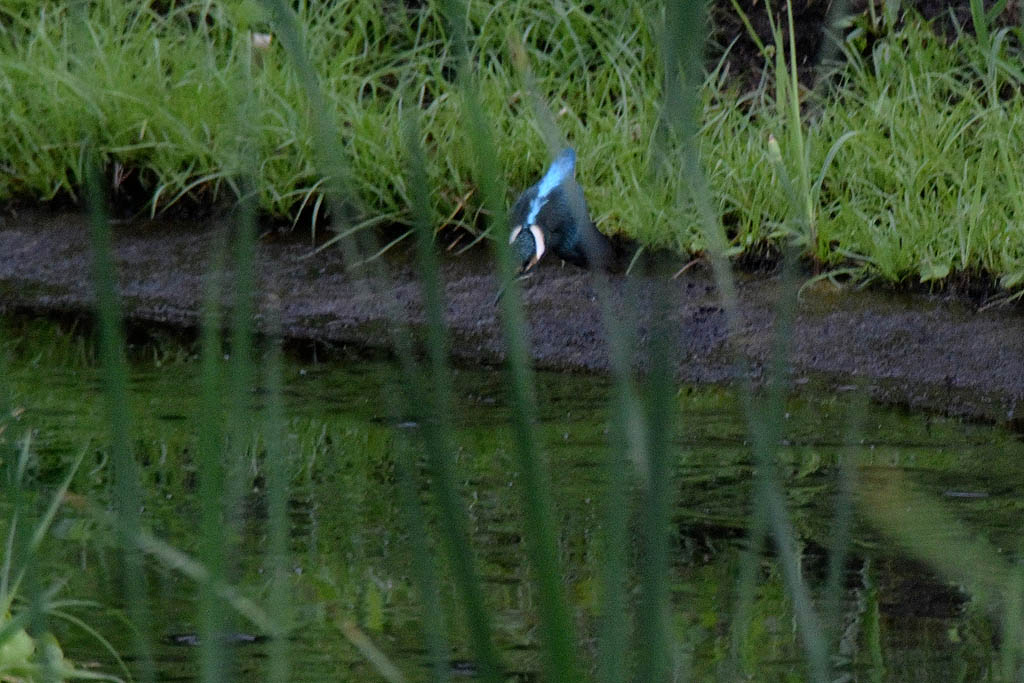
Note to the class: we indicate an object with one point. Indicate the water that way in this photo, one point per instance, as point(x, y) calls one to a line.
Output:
point(350, 559)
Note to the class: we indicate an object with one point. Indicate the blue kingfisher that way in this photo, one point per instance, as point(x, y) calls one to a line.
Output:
point(552, 215)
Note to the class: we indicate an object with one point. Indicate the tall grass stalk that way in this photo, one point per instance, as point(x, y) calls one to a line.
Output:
point(1012, 618)
point(681, 44)
point(223, 461)
point(439, 442)
point(278, 473)
point(237, 394)
point(745, 591)
point(654, 640)
point(14, 464)
point(241, 367)
point(424, 574)
point(627, 436)
point(764, 422)
point(804, 199)
point(682, 59)
point(277, 458)
point(430, 403)
point(767, 432)
point(557, 639)
point(613, 656)
point(842, 525)
point(127, 489)
point(211, 465)
point(114, 370)
point(765, 418)
point(613, 659)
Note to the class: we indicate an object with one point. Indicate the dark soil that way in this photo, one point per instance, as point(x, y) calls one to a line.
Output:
point(813, 20)
point(924, 351)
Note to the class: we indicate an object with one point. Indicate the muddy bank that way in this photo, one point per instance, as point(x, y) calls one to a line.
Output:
point(915, 350)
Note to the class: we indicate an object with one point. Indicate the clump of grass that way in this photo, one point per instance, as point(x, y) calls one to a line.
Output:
point(924, 189)
point(28, 605)
point(933, 192)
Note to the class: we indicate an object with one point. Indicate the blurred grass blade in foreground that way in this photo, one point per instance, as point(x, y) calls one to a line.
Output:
point(114, 370)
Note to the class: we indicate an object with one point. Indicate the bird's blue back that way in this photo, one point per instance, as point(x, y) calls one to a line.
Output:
point(562, 168)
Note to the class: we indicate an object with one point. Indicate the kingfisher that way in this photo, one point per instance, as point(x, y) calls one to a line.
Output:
point(552, 215)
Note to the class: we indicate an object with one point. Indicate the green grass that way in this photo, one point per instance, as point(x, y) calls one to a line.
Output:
point(901, 158)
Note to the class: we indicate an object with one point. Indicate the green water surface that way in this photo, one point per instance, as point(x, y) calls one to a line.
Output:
point(350, 557)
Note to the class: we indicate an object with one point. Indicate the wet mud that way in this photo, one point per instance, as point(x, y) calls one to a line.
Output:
point(931, 352)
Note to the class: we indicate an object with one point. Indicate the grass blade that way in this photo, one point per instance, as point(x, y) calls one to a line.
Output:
point(276, 464)
point(114, 368)
point(431, 406)
point(557, 638)
point(438, 444)
point(653, 637)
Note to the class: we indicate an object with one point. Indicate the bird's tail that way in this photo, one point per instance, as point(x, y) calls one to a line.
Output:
point(598, 250)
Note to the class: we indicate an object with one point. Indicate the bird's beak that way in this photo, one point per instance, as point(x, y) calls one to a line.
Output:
point(538, 241)
point(538, 244)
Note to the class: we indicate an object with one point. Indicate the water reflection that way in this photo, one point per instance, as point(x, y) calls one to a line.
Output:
point(350, 558)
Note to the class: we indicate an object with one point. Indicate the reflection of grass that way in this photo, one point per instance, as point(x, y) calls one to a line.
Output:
point(28, 603)
point(348, 533)
point(925, 188)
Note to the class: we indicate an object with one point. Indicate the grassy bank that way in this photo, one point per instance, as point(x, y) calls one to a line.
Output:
point(900, 160)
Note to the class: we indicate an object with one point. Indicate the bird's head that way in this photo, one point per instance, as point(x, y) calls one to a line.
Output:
point(527, 246)
point(527, 238)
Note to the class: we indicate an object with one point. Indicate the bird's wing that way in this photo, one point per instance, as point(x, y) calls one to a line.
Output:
point(561, 171)
point(580, 241)
point(562, 215)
